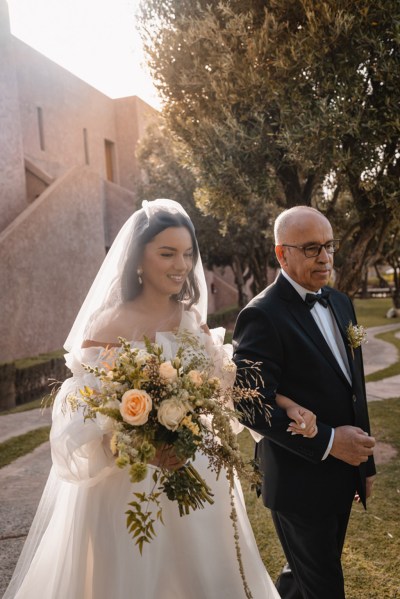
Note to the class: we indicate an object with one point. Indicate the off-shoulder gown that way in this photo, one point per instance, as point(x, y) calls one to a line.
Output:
point(78, 546)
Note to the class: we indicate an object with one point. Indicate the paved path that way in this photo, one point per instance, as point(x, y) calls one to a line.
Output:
point(22, 482)
point(379, 354)
point(21, 486)
point(12, 425)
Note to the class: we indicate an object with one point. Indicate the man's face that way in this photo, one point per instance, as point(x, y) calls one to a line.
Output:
point(306, 229)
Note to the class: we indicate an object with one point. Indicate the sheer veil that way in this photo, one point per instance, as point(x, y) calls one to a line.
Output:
point(70, 441)
point(118, 270)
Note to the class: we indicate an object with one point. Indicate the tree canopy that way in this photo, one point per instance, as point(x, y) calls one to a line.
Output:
point(163, 175)
point(286, 102)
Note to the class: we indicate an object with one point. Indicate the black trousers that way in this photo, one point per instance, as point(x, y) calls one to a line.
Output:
point(313, 547)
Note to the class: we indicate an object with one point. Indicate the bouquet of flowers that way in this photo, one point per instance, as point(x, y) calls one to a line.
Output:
point(155, 405)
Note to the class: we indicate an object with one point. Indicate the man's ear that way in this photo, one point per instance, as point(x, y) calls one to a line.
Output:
point(280, 255)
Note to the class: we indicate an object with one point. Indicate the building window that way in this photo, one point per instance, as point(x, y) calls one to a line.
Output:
point(40, 127)
point(109, 152)
point(86, 146)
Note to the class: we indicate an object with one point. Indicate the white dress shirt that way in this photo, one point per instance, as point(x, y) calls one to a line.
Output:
point(330, 331)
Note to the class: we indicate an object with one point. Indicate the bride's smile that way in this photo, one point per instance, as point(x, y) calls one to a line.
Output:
point(167, 260)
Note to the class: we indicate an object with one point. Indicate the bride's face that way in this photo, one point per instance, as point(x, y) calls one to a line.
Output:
point(167, 260)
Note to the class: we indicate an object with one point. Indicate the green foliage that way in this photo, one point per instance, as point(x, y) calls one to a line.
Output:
point(187, 488)
point(40, 359)
point(223, 318)
point(281, 103)
point(140, 524)
point(165, 174)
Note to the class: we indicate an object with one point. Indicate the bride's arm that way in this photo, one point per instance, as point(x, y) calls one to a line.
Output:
point(303, 420)
point(80, 448)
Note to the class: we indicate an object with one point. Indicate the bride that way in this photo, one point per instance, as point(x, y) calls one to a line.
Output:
point(151, 284)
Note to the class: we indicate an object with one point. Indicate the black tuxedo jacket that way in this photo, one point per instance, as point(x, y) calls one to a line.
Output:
point(277, 330)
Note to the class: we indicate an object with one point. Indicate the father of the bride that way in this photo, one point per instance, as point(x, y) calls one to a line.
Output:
point(298, 330)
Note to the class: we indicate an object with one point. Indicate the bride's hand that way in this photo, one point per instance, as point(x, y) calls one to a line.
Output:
point(304, 422)
point(166, 458)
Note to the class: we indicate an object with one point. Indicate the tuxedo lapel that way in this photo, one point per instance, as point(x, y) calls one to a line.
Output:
point(301, 313)
point(342, 321)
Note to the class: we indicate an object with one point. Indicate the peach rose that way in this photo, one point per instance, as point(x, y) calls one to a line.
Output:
point(195, 377)
point(135, 406)
point(167, 371)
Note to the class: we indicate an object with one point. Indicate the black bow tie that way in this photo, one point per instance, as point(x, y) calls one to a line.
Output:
point(322, 298)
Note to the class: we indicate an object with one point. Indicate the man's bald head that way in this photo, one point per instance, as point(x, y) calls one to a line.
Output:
point(296, 229)
point(292, 219)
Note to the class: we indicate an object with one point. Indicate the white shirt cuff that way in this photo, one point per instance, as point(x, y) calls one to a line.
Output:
point(328, 449)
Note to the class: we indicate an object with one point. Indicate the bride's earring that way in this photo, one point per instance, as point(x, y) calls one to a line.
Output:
point(139, 274)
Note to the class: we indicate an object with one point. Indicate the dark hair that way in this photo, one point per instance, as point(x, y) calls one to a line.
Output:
point(145, 230)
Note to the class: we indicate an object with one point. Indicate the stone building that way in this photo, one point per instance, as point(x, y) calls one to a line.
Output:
point(68, 173)
point(67, 180)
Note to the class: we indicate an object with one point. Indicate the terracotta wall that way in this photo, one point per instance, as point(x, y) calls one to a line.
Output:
point(12, 176)
point(49, 256)
point(132, 116)
point(56, 108)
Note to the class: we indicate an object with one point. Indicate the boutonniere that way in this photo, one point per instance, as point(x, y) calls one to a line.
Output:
point(356, 335)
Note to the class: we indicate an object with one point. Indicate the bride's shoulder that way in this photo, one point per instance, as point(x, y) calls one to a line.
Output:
point(109, 325)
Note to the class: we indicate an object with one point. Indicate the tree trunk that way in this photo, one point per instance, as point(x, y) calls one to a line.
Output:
point(239, 281)
point(364, 284)
point(349, 277)
point(258, 266)
point(396, 290)
point(382, 281)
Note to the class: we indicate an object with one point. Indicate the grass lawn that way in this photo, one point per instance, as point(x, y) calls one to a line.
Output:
point(371, 312)
point(371, 557)
point(16, 447)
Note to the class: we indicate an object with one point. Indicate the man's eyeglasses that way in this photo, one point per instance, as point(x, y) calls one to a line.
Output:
point(314, 249)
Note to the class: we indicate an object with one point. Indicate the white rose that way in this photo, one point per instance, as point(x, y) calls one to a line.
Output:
point(167, 371)
point(171, 412)
point(135, 406)
point(142, 357)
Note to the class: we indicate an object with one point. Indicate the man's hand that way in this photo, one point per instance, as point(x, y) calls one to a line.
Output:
point(352, 445)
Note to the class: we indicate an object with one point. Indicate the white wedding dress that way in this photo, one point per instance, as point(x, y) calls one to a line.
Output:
point(79, 547)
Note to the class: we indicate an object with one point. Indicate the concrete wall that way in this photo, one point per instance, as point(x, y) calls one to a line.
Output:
point(12, 179)
point(56, 107)
point(119, 204)
point(36, 180)
point(132, 116)
point(222, 292)
point(49, 256)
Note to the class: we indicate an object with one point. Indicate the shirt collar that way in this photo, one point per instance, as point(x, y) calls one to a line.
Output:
point(302, 291)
